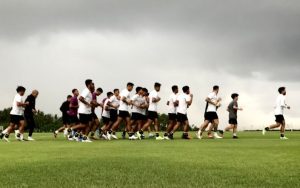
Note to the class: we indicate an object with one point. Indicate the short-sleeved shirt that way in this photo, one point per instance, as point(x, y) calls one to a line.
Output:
point(213, 97)
point(182, 103)
point(73, 111)
point(124, 106)
point(106, 113)
point(17, 110)
point(144, 111)
point(87, 96)
point(280, 105)
point(153, 105)
point(172, 107)
point(232, 111)
point(114, 101)
point(137, 100)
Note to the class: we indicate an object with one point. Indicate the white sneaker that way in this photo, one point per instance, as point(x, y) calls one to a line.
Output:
point(16, 133)
point(159, 138)
point(216, 136)
point(30, 139)
point(114, 137)
point(70, 138)
point(108, 136)
point(87, 141)
point(133, 137)
point(166, 138)
point(283, 138)
point(264, 131)
point(5, 139)
point(198, 135)
point(104, 137)
point(139, 136)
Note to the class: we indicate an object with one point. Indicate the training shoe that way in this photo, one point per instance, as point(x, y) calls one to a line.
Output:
point(113, 136)
point(30, 139)
point(216, 136)
point(133, 137)
point(235, 137)
point(166, 138)
point(70, 138)
point(108, 136)
point(87, 141)
point(198, 135)
point(283, 138)
point(139, 136)
point(55, 134)
point(159, 138)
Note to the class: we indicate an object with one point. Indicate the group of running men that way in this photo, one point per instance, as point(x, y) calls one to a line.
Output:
point(81, 122)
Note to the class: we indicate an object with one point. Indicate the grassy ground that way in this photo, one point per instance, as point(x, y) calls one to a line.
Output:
point(251, 161)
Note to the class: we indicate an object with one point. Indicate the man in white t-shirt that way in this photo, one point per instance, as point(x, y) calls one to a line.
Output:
point(172, 103)
point(211, 116)
point(279, 109)
point(85, 112)
point(16, 116)
point(107, 105)
point(124, 115)
point(184, 101)
point(152, 112)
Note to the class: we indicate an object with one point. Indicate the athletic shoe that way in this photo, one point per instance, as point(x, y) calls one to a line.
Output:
point(216, 136)
point(30, 139)
point(139, 136)
point(133, 137)
point(159, 138)
point(171, 136)
point(108, 136)
point(166, 138)
point(283, 138)
point(6, 139)
point(70, 138)
point(198, 135)
point(210, 136)
point(104, 137)
point(114, 137)
point(87, 141)
point(235, 137)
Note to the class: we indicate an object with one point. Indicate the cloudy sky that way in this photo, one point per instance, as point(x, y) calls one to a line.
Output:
point(249, 47)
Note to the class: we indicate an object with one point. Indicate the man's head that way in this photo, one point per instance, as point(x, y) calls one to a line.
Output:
point(157, 86)
point(21, 90)
point(75, 92)
point(89, 84)
point(35, 93)
point(139, 90)
point(109, 94)
point(282, 90)
point(99, 91)
point(175, 89)
point(130, 86)
point(186, 90)
point(235, 96)
point(145, 92)
point(216, 89)
point(116, 92)
point(69, 97)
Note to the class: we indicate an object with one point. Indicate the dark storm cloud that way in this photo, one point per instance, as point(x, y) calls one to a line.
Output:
point(255, 36)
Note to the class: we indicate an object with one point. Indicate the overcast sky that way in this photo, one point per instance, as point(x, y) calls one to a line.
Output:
point(249, 47)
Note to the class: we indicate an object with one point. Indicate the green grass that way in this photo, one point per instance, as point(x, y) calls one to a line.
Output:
point(251, 161)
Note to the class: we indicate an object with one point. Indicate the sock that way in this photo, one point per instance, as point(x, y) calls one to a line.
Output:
point(124, 133)
point(92, 134)
point(157, 134)
point(166, 134)
point(282, 135)
point(109, 132)
point(141, 132)
point(6, 135)
point(130, 134)
point(234, 134)
point(267, 128)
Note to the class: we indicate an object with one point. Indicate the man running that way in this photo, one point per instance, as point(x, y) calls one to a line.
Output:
point(30, 111)
point(152, 113)
point(172, 103)
point(124, 115)
point(279, 109)
point(73, 113)
point(16, 116)
point(211, 116)
point(64, 108)
point(95, 119)
point(184, 101)
point(233, 108)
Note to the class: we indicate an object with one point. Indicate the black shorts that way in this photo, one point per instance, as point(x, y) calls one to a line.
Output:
point(143, 117)
point(16, 119)
point(85, 118)
point(232, 121)
point(124, 114)
point(73, 120)
point(105, 120)
point(211, 116)
point(136, 116)
point(279, 119)
point(172, 117)
point(113, 115)
point(152, 115)
point(94, 116)
point(65, 119)
point(182, 118)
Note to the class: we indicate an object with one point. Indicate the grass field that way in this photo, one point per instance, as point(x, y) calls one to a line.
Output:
point(251, 161)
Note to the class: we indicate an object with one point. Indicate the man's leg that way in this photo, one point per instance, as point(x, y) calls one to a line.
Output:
point(216, 125)
point(202, 129)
